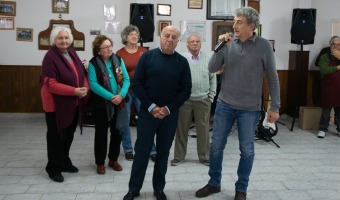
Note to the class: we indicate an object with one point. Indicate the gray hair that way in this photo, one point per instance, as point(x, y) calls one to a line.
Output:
point(126, 31)
point(252, 16)
point(55, 32)
point(333, 39)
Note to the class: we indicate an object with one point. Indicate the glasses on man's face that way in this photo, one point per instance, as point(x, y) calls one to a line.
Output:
point(133, 34)
point(194, 41)
point(335, 45)
point(106, 47)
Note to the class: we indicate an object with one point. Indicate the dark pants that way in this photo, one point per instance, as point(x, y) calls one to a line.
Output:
point(58, 144)
point(325, 117)
point(147, 127)
point(100, 139)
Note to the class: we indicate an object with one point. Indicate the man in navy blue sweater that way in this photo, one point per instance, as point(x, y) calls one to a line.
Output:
point(162, 82)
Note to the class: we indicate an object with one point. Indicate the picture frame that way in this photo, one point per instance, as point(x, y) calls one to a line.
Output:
point(8, 8)
point(6, 23)
point(164, 9)
point(24, 34)
point(219, 28)
point(195, 4)
point(162, 24)
point(216, 11)
point(258, 30)
point(60, 6)
point(272, 42)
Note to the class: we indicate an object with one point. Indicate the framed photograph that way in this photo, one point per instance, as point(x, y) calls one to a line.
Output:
point(223, 9)
point(219, 28)
point(8, 8)
point(24, 34)
point(6, 23)
point(162, 24)
point(258, 30)
point(60, 6)
point(195, 4)
point(164, 9)
point(272, 42)
point(109, 12)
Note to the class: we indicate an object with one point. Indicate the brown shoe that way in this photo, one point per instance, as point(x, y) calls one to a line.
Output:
point(240, 196)
point(115, 166)
point(207, 190)
point(101, 169)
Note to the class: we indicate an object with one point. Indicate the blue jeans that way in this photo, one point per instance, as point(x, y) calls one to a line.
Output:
point(126, 133)
point(224, 118)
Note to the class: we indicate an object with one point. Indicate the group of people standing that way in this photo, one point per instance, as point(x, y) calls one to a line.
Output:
point(167, 89)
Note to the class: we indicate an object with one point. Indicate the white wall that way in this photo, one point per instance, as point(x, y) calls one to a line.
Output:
point(276, 17)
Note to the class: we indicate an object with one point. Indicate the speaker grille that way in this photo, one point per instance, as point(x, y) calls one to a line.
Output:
point(303, 26)
point(141, 15)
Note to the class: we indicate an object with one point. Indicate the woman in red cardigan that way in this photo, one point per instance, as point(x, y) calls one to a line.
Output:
point(64, 86)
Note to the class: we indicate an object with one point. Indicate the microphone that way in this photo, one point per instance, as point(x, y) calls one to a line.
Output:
point(221, 44)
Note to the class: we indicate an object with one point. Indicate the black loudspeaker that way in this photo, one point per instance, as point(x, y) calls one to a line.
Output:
point(141, 15)
point(303, 26)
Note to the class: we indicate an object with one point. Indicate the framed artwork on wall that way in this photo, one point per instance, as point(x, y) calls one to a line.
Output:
point(6, 23)
point(60, 6)
point(219, 28)
point(223, 9)
point(162, 24)
point(164, 9)
point(195, 4)
point(8, 8)
point(24, 34)
point(258, 30)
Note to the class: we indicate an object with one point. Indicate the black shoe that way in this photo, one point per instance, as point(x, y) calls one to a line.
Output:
point(153, 157)
point(159, 195)
point(56, 177)
point(131, 195)
point(240, 195)
point(70, 169)
point(129, 156)
point(207, 190)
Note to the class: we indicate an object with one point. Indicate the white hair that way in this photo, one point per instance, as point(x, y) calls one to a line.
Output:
point(55, 32)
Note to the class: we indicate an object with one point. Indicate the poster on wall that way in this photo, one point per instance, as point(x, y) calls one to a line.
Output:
point(189, 27)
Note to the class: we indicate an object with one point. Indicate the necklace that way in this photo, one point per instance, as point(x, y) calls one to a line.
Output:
point(134, 50)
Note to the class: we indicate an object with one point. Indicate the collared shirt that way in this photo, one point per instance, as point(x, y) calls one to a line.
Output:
point(194, 59)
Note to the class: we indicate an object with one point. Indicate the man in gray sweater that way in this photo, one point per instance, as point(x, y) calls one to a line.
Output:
point(246, 59)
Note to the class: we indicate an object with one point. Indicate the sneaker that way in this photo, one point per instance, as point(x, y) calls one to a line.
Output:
point(240, 196)
point(321, 134)
point(176, 162)
point(129, 156)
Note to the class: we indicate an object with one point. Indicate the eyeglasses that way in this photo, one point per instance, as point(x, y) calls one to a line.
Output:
point(335, 45)
point(106, 47)
point(134, 34)
point(194, 41)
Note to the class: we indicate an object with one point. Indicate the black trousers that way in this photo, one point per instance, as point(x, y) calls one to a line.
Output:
point(100, 140)
point(58, 145)
point(147, 128)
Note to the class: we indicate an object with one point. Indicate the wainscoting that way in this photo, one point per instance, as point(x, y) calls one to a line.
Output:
point(20, 90)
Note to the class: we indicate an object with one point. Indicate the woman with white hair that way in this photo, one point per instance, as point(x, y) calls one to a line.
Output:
point(64, 86)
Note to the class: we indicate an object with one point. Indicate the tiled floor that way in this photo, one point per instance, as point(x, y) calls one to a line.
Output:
point(304, 168)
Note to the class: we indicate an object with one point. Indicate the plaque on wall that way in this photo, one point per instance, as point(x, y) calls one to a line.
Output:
point(78, 37)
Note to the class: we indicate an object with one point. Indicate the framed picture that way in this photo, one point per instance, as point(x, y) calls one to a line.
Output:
point(8, 8)
point(60, 6)
point(162, 24)
point(219, 28)
point(164, 9)
point(272, 42)
point(258, 30)
point(195, 4)
point(24, 34)
point(223, 9)
point(6, 23)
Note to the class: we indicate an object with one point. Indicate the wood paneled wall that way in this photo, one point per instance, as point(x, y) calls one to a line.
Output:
point(20, 90)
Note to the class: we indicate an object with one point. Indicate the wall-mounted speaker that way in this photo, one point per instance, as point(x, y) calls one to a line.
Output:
point(141, 15)
point(303, 26)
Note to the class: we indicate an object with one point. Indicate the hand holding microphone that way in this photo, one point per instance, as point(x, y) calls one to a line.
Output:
point(226, 38)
